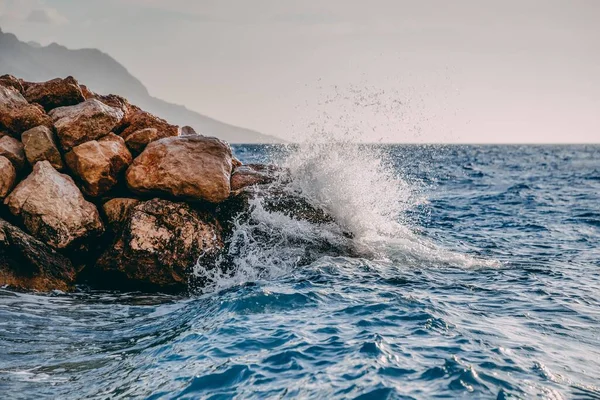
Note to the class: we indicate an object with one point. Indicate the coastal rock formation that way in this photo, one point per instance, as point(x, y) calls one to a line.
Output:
point(159, 244)
point(55, 93)
point(184, 167)
point(16, 114)
point(39, 145)
point(83, 122)
point(12, 149)
point(98, 163)
point(141, 128)
point(28, 264)
point(8, 176)
point(252, 174)
point(53, 209)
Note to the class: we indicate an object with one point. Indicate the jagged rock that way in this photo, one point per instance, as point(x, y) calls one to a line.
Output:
point(253, 174)
point(28, 264)
point(8, 176)
point(187, 131)
point(98, 163)
point(11, 81)
point(138, 140)
point(55, 93)
point(87, 93)
point(83, 122)
point(141, 120)
point(39, 145)
point(236, 163)
point(159, 244)
point(53, 209)
point(12, 149)
point(16, 114)
point(185, 167)
point(117, 211)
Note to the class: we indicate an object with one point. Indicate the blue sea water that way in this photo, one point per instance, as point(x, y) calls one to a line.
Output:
point(474, 272)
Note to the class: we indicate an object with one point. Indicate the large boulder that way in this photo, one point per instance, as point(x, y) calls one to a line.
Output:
point(253, 174)
point(53, 209)
point(12, 149)
point(55, 93)
point(187, 167)
point(140, 128)
point(28, 264)
point(83, 122)
point(16, 114)
point(159, 244)
point(39, 145)
point(98, 163)
point(8, 176)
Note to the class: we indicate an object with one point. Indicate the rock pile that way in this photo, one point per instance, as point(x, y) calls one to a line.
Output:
point(96, 190)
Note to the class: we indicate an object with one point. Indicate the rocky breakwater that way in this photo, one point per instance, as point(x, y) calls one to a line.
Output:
point(96, 191)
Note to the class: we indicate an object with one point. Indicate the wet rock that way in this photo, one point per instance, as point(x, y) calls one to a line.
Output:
point(12, 149)
point(11, 81)
point(39, 145)
point(98, 163)
point(253, 174)
point(83, 122)
point(28, 264)
point(117, 211)
point(17, 115)
point(8, 176)
point(158, 246)
point(53, 209)
point(188, 167)
point(55, 93)
point(139, 120)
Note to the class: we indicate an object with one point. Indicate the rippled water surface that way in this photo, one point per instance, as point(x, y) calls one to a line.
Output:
point(487, 286)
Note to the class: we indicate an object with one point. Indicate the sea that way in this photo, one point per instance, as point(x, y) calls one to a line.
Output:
point(454, 271)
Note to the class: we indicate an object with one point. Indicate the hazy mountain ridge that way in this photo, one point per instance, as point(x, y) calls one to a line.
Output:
point(103, 74)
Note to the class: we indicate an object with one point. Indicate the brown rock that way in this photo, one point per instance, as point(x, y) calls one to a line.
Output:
point(188, 167)
point(28, 264)
point(117, 211)
point(12, 149)
point(8, 176)
point(11, 81)
point(53, 209)
point(17, 115)
point(160, 243)
point(98, 163)
point(138, 120)
point(138, 140)
point(252, 174)
point(39, 144)
point(83, 122)
point(87, 93)
point(187, 131)
point(236, 163)
point(55, 93)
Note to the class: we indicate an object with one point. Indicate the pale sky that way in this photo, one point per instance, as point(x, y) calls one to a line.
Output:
point(475, 71)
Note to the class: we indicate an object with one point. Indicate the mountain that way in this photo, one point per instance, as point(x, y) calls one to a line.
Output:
point(103, 74)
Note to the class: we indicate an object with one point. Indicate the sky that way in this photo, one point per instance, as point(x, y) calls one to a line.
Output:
point(464, 71)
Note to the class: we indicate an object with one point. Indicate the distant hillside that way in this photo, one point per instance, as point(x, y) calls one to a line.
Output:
point(104, 75)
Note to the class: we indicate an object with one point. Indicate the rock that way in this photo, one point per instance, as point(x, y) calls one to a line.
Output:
point(55, 93)
point(12, 149)
point(39, 145)
point(253, 174)
point(11, 81)
point(117, 211)
point(8, 176)
point(98, 163)
point(160, 243)
point(83, 122)
point(53, 209)
point(236, 163)
point(138, 140)
point(17, 115)
point(141, 120)
point(187, 167)
point(187, 131)
point(28, 264)
point(87, 93)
